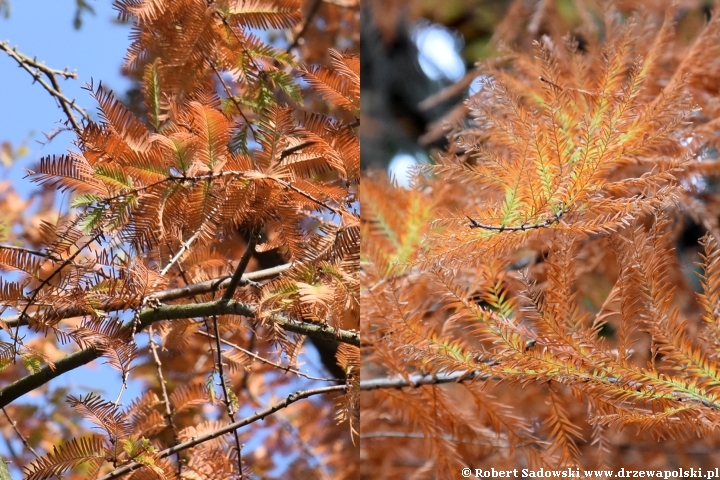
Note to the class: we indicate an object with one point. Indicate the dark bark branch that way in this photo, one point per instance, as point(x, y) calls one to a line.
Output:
point(502, 228)
point(172, 312)
point(244, 260)
point(26, 384)
point(224, 307)
point(290, 150)
point(292, 398)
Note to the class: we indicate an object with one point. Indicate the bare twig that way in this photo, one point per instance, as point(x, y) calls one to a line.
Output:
point(24, 440)
point(223, 385)
point(292, 398)
point(302, 443)
point(419, 380)
point(185, 246)
point(290, 150)
point(36, 69)
point(165, 398)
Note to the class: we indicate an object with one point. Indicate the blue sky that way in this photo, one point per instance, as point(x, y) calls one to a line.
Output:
point(44, 28)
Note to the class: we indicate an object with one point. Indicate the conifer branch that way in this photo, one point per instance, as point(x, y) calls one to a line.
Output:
point(292, 398)
point(49, 256)
point(503, 228)
point(47, 280)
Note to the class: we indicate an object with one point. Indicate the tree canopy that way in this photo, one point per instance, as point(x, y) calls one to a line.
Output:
point(212, 235)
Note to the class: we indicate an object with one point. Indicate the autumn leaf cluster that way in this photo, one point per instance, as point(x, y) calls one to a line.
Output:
point(213, 234)
point(531, 295)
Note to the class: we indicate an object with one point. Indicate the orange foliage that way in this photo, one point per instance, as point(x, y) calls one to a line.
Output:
point(213, 234)
point(524, 303)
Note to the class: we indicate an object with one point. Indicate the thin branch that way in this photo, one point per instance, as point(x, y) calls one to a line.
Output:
point(499, 443)
point(172, 312)
point(292, 398)
point(24, 440)
point(228, 173)
point(216, 284)
point(290, 150)
point(224, 387)
point(28, 64)
point(207, 286)
point(353, 124)
point(242, 265)
point(502, 228)
point(285, 368)
point(185, 246)
point(231, 96)
point(165, 397)
point(211, 176)
point(302, 443)
point(305, 194)
point(419, 380)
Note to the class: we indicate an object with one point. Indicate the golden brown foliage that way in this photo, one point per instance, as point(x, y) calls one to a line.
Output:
point(212, 229)
point(524, 304)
